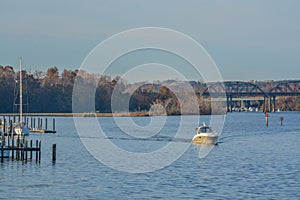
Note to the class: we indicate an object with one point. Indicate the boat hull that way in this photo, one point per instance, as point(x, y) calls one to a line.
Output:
point(20, 129)
point(198, 139)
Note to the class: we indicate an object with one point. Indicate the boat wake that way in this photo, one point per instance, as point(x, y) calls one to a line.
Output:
point(160, 138)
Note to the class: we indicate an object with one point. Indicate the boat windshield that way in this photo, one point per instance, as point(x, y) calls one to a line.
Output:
point(205, 129)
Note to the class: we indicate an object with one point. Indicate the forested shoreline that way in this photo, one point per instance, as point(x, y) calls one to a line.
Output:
point(51, 92)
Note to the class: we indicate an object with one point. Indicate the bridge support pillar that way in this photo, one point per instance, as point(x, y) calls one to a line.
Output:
point(243, 104)
point(270, 104)
point(229, 103)
point(273, 102)
point(264, 105)
point(267, 104)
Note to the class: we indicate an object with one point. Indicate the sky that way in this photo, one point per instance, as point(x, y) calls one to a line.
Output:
point(247, 40)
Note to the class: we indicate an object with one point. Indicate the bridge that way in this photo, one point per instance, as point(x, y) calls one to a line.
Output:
point(246, 91)
point(285, 88)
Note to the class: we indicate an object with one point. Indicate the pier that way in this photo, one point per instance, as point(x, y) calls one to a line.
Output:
point(18, 148)
point(35, 124)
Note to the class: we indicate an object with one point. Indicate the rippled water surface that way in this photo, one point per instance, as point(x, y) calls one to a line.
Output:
point(251, 161)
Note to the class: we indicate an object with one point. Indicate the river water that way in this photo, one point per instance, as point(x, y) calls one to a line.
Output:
point(250, 161)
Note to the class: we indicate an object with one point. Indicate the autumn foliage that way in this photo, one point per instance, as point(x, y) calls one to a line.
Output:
point(51, 92)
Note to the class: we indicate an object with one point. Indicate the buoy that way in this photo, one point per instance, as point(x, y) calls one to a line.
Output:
point(267, 119)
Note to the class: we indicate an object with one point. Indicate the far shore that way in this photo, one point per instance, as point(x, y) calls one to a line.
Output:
point(91, 114)
point(85, 114)
point(88, 114)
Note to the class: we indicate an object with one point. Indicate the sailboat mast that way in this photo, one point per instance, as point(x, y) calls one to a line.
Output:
point(21, 97)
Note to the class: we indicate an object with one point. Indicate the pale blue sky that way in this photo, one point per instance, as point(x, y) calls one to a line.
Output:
point(248, 40)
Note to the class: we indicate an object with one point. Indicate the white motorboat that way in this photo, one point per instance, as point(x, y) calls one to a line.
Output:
point(205, 135)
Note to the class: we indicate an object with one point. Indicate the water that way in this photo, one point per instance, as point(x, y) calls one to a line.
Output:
point(251, 161)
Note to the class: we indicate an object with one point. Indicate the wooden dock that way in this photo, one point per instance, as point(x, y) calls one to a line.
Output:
point(34, 124)
point(16, 147)
point(20, 149)
point(33, 130)
point(40, 127)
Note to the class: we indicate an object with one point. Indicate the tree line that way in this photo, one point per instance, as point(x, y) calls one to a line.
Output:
point(51, 92)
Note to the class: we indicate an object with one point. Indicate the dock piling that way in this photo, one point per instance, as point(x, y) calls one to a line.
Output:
point(2, 150)
point(12, 145)
point(53, 153)
point(46, 124)
point(4, 122)
point(53, 124)
point(36, 152)
point(40, 144)
point(30, 150)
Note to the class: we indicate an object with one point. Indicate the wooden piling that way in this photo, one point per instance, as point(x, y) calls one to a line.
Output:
point(8, 140)
point(22, 154)
point(13, 145)
point(53, 124)
point(36, 152)
point(31, 150)
point(18, 146)
point(4, 122)
point(26, 152)
point(40, 145)
point(10, 128)
point(53, 153)
point(2, 150)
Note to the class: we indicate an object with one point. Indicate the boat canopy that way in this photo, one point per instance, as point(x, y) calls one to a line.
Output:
point(205, 129)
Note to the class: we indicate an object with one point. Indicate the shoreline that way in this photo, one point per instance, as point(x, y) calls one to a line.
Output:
point(121, 114)
point(86, 114)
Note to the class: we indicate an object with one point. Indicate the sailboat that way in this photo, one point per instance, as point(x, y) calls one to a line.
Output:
point(20, 128)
